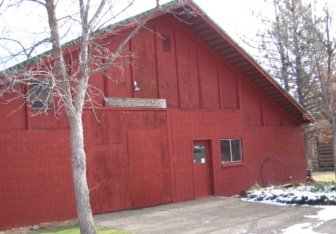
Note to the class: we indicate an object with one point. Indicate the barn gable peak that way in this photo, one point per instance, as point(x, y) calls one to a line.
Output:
point(215, 37)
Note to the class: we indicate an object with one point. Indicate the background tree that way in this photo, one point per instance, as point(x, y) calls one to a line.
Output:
point(298, 49)
point(67, 82)
point(324, 70)
point(286, 48)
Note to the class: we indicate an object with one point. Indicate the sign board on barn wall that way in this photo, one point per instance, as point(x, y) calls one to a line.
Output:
point(135, 102)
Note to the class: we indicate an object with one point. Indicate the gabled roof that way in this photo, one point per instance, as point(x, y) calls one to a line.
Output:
point(213, 35)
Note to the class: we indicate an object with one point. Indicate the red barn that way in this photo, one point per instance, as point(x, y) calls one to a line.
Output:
point(195, 117)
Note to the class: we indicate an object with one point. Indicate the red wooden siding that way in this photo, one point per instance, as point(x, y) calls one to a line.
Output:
point(229, 88)
point(189, 75)
point(272, 114)
point(166, 64)
point(36, 181)
point(144, 69)
point(128, 159)
point(95, 90)
point(145, 165)
point(279, 142)
point(287, 121)
point(148, 158)
point(48, 121)
point(258, 143)
point(8, 119)
point(118, 80)
point(108, 177)
point(252, 106)
point(186, 52)
point(208, 80)
point(106, 148)
point(17, 115)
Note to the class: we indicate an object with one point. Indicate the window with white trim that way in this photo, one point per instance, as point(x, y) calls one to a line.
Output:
point(231, 150)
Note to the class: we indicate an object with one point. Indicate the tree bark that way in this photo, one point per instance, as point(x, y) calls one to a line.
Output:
point(334, 143)
point(74, 115)
point(78, 159)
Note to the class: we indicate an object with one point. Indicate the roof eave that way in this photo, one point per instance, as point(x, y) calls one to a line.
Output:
point(239, 58)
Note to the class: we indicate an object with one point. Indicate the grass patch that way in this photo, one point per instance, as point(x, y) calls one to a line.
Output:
point(324, 177)
point(256, 187)
point(74, 229)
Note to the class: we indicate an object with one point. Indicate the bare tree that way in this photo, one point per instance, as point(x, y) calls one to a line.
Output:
point(324, 41)
point(47, 75)
point(299, 47)
point(285, 48)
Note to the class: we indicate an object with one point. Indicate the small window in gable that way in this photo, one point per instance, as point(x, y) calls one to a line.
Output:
point(231, 150)
point(166, 45)
point(40, 95)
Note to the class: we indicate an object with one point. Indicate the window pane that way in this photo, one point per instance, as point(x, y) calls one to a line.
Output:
point(225, 150)
point(199, 154)
point(40, 95)
point(236, 150)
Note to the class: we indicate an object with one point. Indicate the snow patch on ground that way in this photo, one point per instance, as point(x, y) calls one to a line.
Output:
point(304, 194)
point(300, 228)
point(328, 213)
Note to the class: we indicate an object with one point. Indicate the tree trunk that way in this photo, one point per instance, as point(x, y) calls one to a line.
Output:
point(333, 120)
point(309, 153)
point(78, 159)
point(334, 151)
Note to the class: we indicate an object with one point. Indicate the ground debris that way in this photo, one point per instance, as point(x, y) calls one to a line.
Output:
point(28, 229)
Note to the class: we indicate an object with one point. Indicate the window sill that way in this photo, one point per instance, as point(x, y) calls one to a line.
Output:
point(233, 164)
point(41, 109)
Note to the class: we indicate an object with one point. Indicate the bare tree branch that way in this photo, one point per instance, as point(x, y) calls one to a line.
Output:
point(63, 82)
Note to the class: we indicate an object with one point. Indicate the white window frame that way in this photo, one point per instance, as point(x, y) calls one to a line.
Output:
point(240, 150)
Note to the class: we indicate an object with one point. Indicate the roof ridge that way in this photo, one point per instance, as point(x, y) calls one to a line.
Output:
point(249, 56)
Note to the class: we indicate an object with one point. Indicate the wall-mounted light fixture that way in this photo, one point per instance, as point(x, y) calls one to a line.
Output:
point(135, 86)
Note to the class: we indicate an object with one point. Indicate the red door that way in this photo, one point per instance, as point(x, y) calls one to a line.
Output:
point(148, 158)
point(202, 169)
point(145, 167)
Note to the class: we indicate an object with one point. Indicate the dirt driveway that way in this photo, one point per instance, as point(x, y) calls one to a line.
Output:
point(218, 215)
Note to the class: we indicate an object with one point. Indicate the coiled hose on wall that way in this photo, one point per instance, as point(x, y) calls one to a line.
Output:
point(266, 160)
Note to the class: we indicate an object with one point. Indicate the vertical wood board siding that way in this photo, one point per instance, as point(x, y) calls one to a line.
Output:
point(36, 178)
